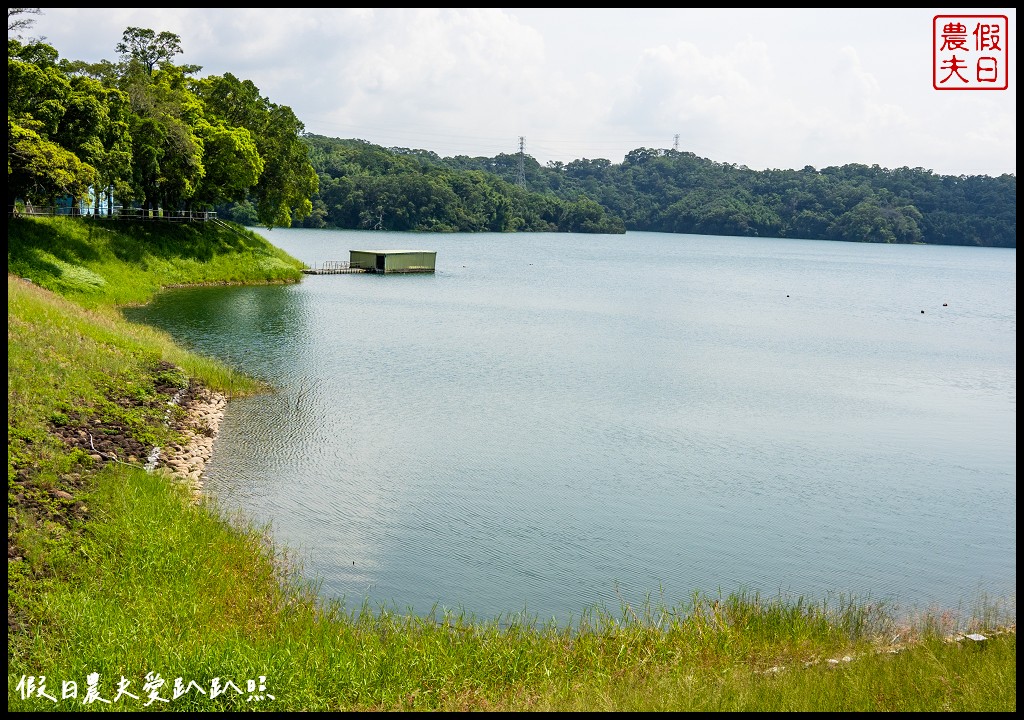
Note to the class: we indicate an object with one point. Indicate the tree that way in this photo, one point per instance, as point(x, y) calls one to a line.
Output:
point(40, 170)
point(114, 167)
point(288, 181)
point(37, 91)
point(83, 124)
point(148, 48)
point(870, 221)
point(147, 153)
point(232, 161)
point(16, 23)
point(42, 130)
point(167, 151)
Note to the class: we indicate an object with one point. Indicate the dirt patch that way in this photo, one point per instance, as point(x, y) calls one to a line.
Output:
point(122, 434)
point(107, 440)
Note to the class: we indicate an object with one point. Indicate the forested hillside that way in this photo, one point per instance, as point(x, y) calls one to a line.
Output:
point(368, 186)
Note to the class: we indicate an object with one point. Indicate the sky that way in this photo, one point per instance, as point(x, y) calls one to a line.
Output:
point(765, 88)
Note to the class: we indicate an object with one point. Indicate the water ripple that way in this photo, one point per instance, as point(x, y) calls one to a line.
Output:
point(722, 413)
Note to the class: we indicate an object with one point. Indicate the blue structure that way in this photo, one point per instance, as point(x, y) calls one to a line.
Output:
point(94, 203)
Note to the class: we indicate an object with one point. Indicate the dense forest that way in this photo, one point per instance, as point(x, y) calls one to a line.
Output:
point(145, 132)
point(367, 186)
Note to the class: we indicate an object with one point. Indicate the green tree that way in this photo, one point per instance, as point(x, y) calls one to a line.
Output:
point(148, 48)
point(48, 120)
point(148, 143)
point(870, 221)
point(114, 166)
point(168, 152)
point(288, 182)
point(37, 90)
point(39, 170)
point(232, 162)
point(87, 129)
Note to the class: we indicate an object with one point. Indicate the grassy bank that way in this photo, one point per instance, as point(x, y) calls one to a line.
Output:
point(113, 571)
point(115, 262)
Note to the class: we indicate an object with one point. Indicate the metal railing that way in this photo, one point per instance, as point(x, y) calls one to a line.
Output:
point(117, 211)
point(330, 265)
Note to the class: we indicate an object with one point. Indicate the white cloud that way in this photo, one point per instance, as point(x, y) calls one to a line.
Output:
point(763, 88)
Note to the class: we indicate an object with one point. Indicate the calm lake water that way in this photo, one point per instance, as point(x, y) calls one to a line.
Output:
point(552, 422)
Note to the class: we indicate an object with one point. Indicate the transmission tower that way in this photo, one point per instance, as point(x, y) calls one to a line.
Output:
point(675, 145)
point(521, 179)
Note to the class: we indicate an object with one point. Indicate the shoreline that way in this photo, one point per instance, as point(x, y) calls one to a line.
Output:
point(185, 462)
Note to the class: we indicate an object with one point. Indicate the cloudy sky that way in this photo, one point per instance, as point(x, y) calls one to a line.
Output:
point(781, 88)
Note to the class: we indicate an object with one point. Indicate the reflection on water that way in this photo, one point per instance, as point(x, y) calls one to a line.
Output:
point(553, 422)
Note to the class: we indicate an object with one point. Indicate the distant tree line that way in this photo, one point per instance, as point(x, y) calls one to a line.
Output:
point(365, 186)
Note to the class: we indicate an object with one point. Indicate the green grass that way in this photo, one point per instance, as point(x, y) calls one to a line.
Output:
point(98, 261)
point(116, 571)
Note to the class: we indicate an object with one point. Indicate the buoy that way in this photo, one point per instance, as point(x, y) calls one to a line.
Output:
point(922, 312)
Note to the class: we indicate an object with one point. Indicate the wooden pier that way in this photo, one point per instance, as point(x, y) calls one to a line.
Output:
point(333, 267)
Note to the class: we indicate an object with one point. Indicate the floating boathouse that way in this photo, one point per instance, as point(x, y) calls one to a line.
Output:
point(393, 261)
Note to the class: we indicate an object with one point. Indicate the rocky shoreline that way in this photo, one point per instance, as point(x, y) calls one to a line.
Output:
point(195, 412)
point(186, 461)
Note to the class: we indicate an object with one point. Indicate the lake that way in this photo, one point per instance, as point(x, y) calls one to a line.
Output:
point(552, 423)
